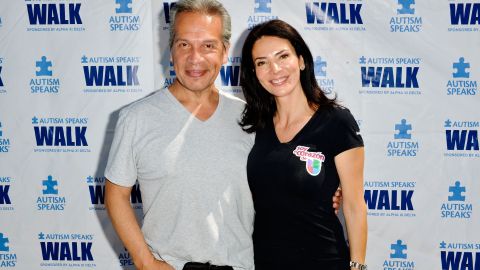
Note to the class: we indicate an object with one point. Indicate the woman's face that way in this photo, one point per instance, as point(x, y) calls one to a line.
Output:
point(277, 66)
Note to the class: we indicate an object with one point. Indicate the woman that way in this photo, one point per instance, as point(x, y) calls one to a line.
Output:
point(305, 146)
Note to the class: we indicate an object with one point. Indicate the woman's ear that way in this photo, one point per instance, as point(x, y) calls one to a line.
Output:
point(301, 63)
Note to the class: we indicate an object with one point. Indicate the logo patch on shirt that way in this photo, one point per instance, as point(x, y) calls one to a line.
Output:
point(313, 160)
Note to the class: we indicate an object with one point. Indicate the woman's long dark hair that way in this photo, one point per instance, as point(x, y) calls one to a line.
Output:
point(261, 106)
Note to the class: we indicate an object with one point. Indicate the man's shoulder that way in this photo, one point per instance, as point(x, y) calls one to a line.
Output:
point(233, 102)
point(144, 105)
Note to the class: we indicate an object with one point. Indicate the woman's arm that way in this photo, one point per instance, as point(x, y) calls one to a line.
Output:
point(350, 170)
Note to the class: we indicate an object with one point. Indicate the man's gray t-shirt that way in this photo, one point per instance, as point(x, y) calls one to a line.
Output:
point(192, 174)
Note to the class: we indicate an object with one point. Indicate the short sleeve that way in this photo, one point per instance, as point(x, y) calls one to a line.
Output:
point(121, 165)
point(347, 133)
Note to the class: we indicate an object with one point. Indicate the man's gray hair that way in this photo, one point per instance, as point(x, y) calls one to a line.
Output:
point(210, 7)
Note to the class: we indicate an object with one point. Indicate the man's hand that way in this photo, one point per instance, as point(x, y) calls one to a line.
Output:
point(337, 199)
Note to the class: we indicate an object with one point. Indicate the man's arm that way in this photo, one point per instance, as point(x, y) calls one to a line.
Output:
point(117, 202)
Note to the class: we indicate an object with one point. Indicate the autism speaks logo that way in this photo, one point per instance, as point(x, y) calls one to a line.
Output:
point(398, 258)
point(320, 68)
point(96, 189)
point(108, 74)
point(262, 12)
point(5, 199)
point(460, 84)
point(339, 15)
point(389, 75)
point(457, 206)
point(230, 75)
point(54, 134)
point(50, 200)
point(461, 138)
point(126, 261)
point(123, 20)
point(313, 160)
point(4, 140)
point(8, 258)
point(66, 250)
point(403, 145)
point(2, 85)
point(405, 20)
point(390, 198)
point(54, 15)
point(44, 82)
point(459, 256)
point(464, 16)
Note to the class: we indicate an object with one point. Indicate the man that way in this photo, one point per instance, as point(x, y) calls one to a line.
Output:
point(184, 146)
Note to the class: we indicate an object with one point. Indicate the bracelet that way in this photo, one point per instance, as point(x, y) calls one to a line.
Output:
point(358, 265)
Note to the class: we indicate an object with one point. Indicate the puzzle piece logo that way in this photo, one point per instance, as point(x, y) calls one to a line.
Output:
point(50, 186)
point(456, 191)
point(1, 132)
point(443, 245)
point(319, 67)
point(406, 9)
point(43, 66)
point(124, 6)
point(362, 60)
point(84, 59)
point(90, 179)
point(398, 250)
point(4, 243)
point(263, 6)
point(461, 67)
point(403, 129)
point(448, 123)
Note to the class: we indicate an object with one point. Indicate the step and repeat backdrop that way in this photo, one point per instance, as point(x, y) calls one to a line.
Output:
point(408, 70)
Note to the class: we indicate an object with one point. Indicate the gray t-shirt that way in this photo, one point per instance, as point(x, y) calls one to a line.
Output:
point(192, 174)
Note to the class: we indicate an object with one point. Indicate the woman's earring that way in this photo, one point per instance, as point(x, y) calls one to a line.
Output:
point(302, 68)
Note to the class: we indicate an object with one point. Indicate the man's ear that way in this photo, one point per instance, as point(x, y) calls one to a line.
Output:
point(225, 54)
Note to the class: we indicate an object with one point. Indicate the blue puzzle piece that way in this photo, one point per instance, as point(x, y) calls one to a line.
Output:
point(456, 192)
point(1, 132)
point(461, 67)
point(43, 67)
point(4, 243)
point(123, 6)
point(41, 236)
point(263, 6)
point(34, 120)
point(406, 9)
point(448, 123)
point(398, 249)
point(403, 129)
point(84, 59)
point(319, 67)
point(362, 60)
point(89, 179)
point(50, 186)
point(443, 244)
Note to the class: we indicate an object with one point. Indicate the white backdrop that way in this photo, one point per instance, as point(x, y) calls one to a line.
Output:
point(408, 70)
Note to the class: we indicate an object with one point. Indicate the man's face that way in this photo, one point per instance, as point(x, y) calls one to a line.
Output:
point(198, 51)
